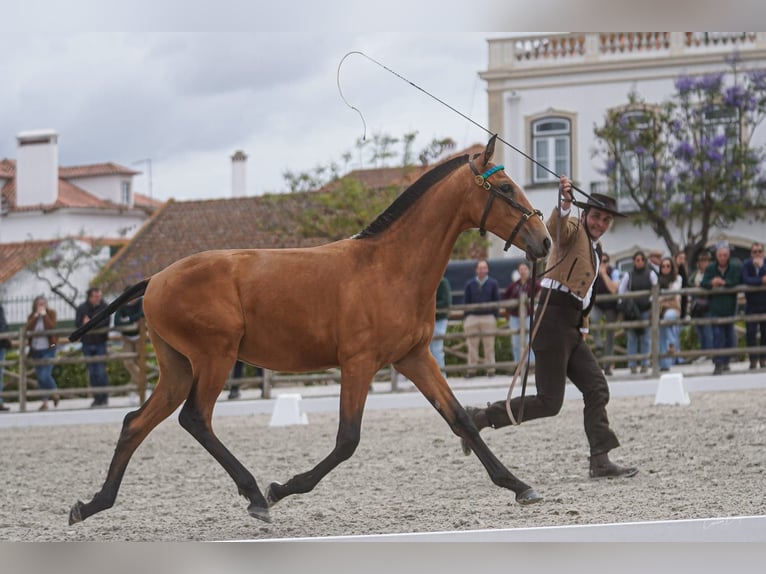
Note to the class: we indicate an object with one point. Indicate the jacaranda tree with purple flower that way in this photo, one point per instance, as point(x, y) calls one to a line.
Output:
point(687, 163)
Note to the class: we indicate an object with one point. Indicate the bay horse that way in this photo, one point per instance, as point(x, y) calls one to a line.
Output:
point(359, 304)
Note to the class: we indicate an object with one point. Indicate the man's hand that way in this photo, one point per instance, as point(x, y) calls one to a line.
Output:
point(565, 189)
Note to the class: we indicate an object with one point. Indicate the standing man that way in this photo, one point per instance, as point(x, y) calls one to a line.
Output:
point(480, 324)
point(529, 287)
point(443, 301)
point(94, 344)
point(560, 346)
point(754, 275)
point(607, 282)
point(722, 273)
point(700, 305)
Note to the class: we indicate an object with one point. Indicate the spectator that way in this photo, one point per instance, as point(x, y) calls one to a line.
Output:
point(680, 261)
point(607, 283)
point(655, 257)
point(724, 272)
point(700, 305)
point(670, 310)
point(43, 346)
point(640, 278)
point(5, 344)
point(94, 344)
point(128, 316)
point(754, 275)
point(513, 292)
point(236, 374)
point(443, 301)
point(480, 324)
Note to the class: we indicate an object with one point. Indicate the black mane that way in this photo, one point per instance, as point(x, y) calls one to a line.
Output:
point(410, 196)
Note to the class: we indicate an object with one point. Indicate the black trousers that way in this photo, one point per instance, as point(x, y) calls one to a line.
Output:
point(560, 352)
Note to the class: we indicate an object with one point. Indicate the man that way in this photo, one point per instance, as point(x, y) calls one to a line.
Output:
point(94, 343)
point(655, 257)
point(700, 306)
point(523, 284)
point(607, 282)
point(754, 275)
point(559, 345)
point(722, 273)
point(480, 324)
point(443, 301)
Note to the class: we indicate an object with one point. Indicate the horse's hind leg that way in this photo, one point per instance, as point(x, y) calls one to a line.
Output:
point(421, 368)
point(172, 388)
point(355, 384)
point(196, 417)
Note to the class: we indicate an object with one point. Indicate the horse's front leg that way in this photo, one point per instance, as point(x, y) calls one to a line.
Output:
point(354, 386)
point(421, 368)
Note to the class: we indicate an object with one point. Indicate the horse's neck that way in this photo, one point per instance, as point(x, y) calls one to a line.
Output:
point(422, 240)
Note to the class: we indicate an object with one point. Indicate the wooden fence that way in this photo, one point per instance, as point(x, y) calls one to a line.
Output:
point(455, 344)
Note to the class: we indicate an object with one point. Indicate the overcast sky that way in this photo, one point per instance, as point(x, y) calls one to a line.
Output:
point(188, 101)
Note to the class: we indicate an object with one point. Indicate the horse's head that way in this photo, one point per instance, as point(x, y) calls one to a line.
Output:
point(503, 208)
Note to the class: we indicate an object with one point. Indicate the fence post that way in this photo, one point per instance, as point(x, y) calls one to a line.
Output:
point(22, 369)
point(654, 325)
point(266, 391)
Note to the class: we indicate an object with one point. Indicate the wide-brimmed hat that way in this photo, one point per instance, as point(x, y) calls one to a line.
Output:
point(602, 202)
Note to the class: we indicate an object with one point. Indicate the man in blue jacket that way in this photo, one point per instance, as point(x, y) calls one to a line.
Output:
point(480, 324)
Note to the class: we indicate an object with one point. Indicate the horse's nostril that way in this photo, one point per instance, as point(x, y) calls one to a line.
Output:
point(547, 244)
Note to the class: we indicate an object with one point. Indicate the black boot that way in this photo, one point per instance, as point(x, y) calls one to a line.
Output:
point(479, 418)
point(602, 467)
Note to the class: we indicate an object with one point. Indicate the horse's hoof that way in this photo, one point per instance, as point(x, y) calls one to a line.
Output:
point(75, 515)
point(271, 498)
point(529, 496)
point(259, 513)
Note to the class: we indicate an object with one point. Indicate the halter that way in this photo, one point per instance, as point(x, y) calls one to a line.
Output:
point(482, 180)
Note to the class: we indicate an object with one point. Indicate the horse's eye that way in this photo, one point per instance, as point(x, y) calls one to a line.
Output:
point(506, 188)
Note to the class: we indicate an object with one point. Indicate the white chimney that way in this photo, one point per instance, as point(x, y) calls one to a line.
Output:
point(239, 174)
point(37, 168)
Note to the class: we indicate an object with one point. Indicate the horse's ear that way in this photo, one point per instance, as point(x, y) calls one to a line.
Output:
point(490, 149)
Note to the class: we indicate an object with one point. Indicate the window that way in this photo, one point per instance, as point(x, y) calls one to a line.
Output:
point(126, 196)
point(552, 147)
point(722, 129)
point(636, 161)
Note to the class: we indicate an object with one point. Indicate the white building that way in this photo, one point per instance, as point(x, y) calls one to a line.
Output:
point(43, 203)
point(547, 92)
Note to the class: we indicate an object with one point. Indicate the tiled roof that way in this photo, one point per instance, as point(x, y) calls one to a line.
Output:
point(94, 170)
point(182, 228)
point(16, 256)
point(70, 195)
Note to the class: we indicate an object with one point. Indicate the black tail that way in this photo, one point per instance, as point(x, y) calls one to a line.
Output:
point(130, 293)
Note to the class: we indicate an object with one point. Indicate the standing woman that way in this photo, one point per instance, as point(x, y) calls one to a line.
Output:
point(640, 278)
point(43, 346)
point(670, 310)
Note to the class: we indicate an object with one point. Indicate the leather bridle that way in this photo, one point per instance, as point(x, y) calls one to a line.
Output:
point(482, 180)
